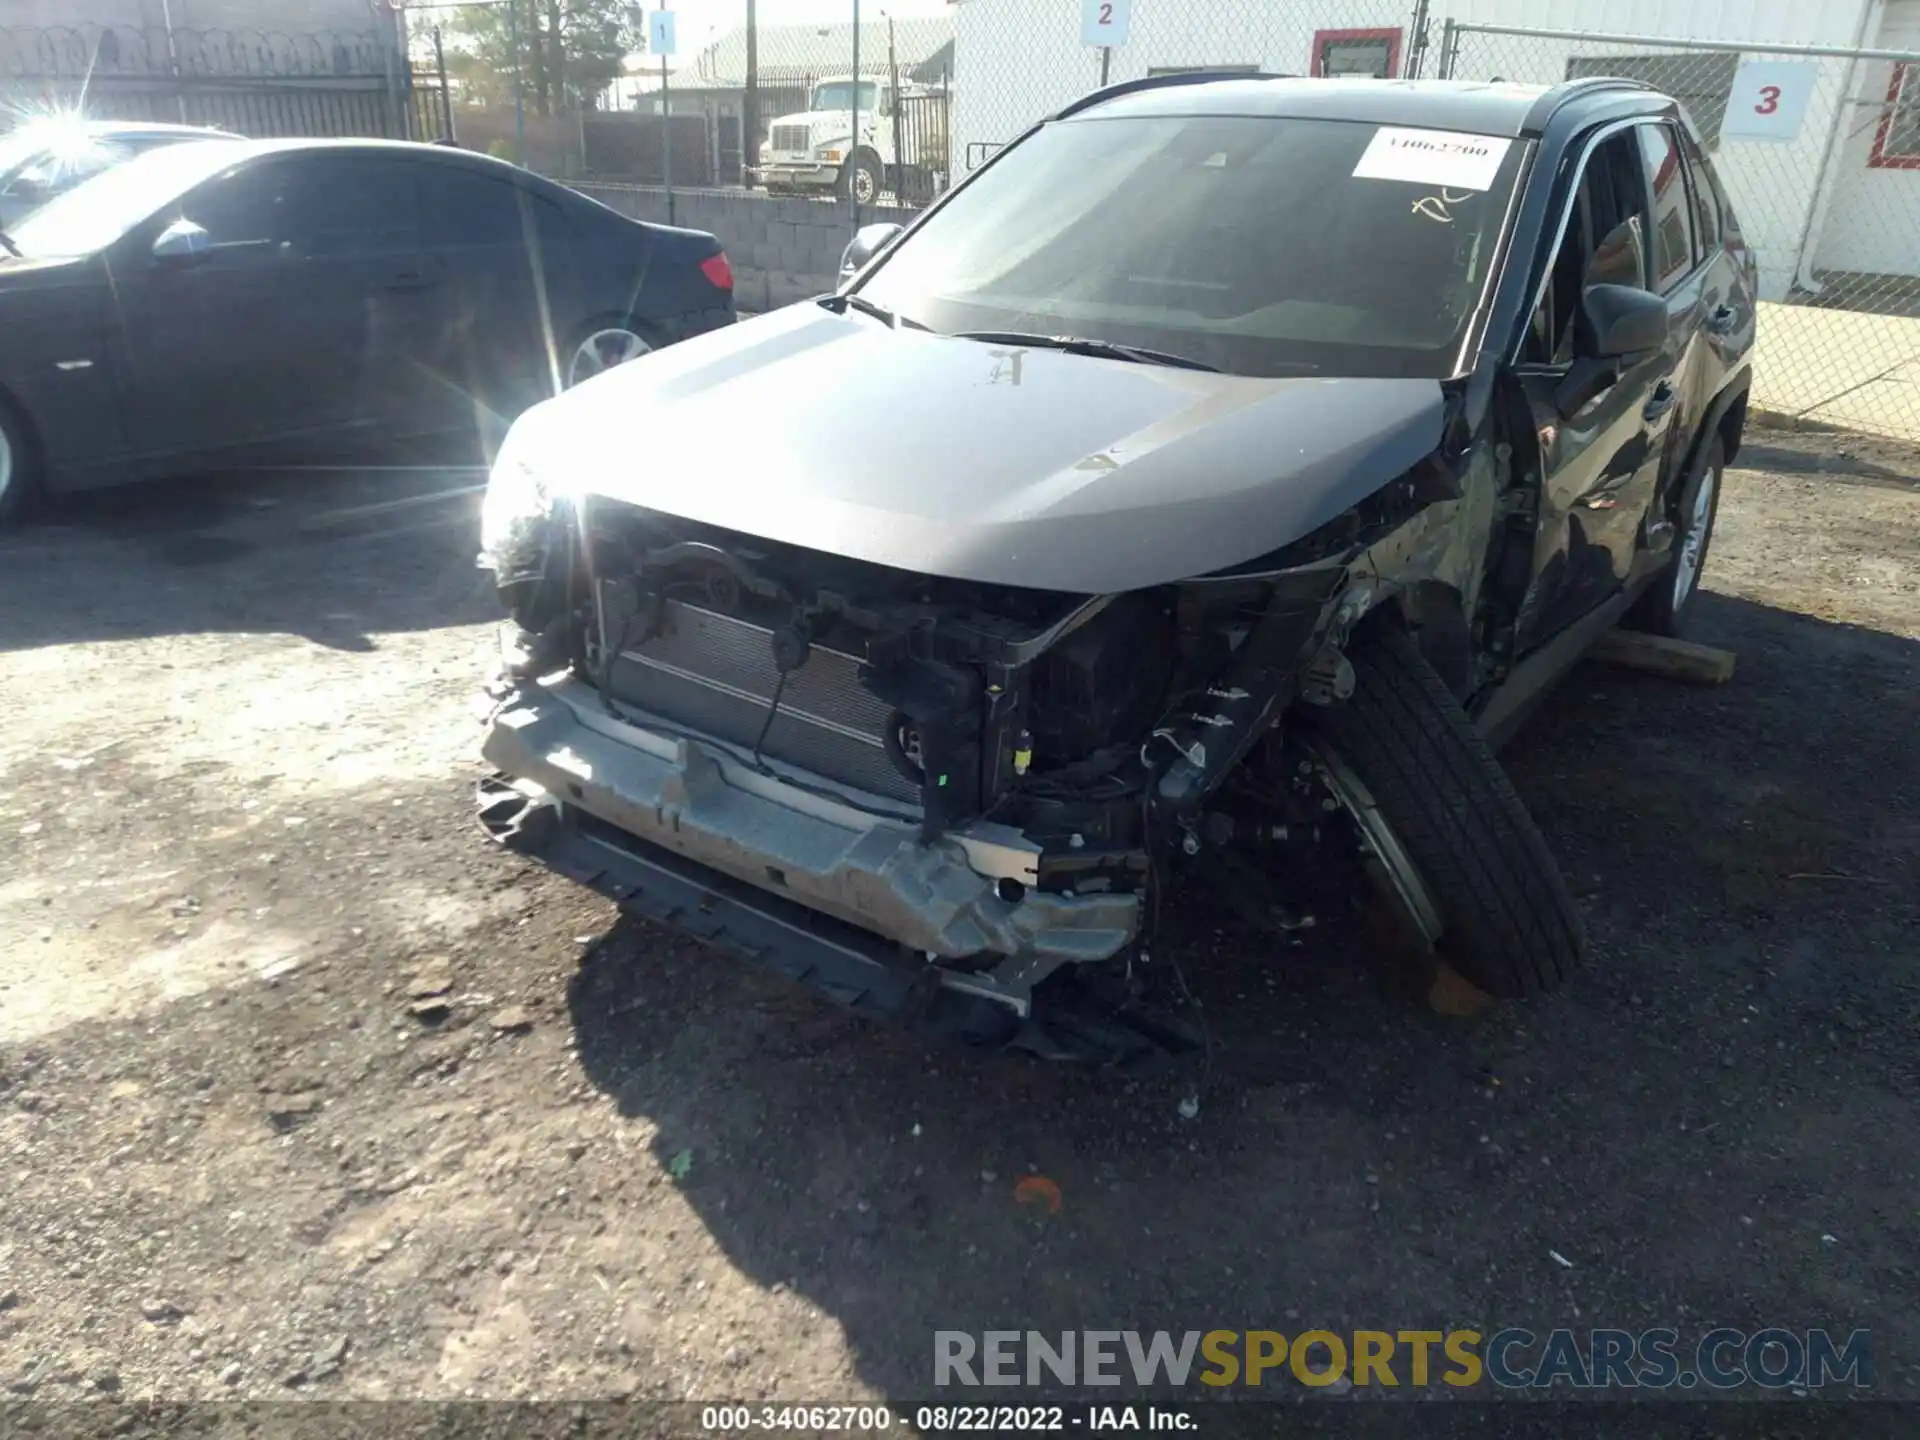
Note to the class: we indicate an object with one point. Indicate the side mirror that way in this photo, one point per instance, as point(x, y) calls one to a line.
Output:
point(180, 241)
point(1618, 325)
point(1622, 321)
point(868, 241)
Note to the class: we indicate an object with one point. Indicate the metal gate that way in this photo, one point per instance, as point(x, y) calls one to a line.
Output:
point(1819, 151)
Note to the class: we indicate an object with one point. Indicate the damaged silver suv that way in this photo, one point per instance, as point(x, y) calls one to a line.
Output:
point(1210, 482)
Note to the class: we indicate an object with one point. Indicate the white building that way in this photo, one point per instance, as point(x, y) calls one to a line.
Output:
point(1838, 192)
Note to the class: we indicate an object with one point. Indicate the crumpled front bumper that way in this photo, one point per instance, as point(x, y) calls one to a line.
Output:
point(969, 897)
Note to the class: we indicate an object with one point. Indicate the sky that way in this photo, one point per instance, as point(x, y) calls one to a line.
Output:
point(702, 21)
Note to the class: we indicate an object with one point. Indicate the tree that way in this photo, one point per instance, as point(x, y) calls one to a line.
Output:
point(570, 50)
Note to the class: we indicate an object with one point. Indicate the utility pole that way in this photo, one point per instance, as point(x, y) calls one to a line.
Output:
point(519, 86)
point(666, 129)
point(853, 167)
point(750, 102)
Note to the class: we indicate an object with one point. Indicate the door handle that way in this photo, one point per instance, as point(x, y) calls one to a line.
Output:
point(1721, 320)
point(409, 280)
point(1661, 400)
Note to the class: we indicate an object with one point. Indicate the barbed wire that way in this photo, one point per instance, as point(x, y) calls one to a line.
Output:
point(79, 52)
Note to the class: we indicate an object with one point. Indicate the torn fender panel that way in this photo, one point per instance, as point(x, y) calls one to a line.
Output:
point(977, 461)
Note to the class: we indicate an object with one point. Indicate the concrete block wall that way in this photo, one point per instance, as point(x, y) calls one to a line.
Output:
point(782, 248)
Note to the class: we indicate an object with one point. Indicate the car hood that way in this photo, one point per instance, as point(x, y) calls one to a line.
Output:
point(30, 272)
point(976, 461)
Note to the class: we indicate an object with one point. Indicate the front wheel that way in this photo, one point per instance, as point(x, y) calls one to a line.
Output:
point(1442, 830)
point(860, 179)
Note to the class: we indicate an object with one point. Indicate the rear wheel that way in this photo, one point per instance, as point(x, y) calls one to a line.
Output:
point(18, 478)
point(1448, 841)
point(1668, 602)
point(604, 346)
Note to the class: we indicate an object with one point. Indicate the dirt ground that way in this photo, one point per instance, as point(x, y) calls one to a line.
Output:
point(235, 772)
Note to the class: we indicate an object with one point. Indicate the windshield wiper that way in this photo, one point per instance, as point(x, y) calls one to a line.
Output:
point(878, 312)
point(1080, 345)
point(7, 240)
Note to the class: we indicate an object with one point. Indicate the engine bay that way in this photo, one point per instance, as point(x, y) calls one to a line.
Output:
point(1095, 725)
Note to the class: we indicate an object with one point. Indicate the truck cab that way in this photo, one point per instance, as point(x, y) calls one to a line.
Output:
point(900, 148)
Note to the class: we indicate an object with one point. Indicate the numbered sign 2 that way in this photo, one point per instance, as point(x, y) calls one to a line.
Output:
point(1104, 22)
point(1769, 99)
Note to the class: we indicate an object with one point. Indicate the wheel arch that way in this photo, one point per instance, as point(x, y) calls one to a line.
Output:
point(30, 467)
point(1434, 613)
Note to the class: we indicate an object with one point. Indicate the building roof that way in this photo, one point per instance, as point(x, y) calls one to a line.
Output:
point(1478, 107)
point(797, 54)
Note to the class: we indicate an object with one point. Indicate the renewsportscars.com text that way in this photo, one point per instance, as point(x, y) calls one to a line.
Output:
point(1658, 1359)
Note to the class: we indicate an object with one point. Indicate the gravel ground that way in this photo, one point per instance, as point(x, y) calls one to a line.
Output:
point(306, 1090)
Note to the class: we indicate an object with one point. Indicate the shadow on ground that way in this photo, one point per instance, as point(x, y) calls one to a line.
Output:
point(1665, 1143)
point(334, 554)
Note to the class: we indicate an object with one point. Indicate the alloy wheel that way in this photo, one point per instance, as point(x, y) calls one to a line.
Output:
point(603, 350)
point(1686, 570)
point(1391, 869)
point(6, 463)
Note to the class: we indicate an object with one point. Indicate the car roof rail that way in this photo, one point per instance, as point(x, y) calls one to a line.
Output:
point(1588, 86)
point(1161, 82)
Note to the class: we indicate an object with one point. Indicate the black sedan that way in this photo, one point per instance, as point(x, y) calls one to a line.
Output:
point(240, 302)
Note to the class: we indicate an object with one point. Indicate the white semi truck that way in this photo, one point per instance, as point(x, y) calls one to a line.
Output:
point(901, 148)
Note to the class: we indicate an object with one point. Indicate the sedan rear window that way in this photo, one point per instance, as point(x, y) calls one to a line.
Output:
point(1260, 245)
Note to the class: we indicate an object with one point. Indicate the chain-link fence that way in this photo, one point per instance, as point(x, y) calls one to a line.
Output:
point(1020, 60)
point(1819, 152)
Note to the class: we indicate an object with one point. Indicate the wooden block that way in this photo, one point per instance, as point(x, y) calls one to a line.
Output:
point(1453, 994)
point(1660, 655)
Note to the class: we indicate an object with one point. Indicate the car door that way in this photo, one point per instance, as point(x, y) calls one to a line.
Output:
point(275, 331)
point(353, 223)
point(1601, 427)
point(1682, 277)
point(506, 291)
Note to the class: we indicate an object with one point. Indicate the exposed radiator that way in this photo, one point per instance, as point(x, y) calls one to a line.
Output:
point(710, 673)
point(792, 138)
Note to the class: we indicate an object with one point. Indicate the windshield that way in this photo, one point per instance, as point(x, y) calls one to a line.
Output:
point(1257, 245)
point(93, 215)
point(838, 95)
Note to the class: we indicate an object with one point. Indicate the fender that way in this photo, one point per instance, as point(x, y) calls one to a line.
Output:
point(1733, 393)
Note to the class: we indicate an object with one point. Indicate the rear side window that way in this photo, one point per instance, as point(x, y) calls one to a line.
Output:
point(1672, 205)
point(461, 209)
point(1706, 199)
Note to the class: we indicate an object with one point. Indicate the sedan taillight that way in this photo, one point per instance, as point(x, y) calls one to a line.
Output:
point(717, 269)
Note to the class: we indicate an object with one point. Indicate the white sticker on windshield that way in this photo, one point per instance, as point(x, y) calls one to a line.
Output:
point(1433, 157)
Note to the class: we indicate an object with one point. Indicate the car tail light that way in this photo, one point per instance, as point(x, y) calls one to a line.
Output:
point(717, 269)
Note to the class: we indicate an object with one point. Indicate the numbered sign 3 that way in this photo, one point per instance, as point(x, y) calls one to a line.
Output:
point(1769, 99)
point(1104, 22)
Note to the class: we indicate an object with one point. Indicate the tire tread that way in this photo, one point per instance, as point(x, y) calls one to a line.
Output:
point(1510, 923)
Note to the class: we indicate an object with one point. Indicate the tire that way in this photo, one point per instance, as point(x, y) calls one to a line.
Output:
point(1667, 603)
point(19, 467)
point(861, 179)
point(1440, 803)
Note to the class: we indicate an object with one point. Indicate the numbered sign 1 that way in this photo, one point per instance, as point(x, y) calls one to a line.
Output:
point(1104, 22)
point(1769, 99)
point(660, 35)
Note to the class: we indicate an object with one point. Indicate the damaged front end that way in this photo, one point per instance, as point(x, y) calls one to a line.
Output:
point(929, 798)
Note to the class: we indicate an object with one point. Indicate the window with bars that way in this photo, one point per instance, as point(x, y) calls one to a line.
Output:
point(1374, 53)
point(1896, 144)
point(1701, 80)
